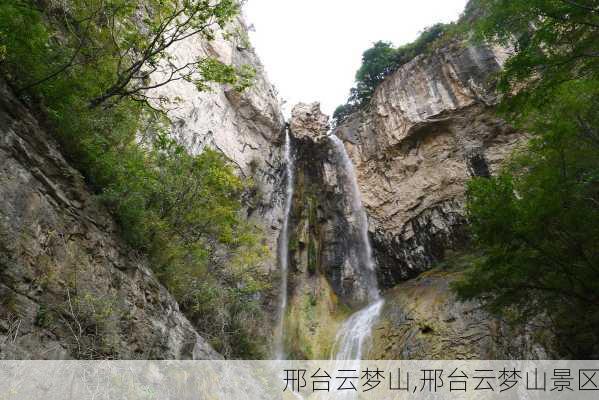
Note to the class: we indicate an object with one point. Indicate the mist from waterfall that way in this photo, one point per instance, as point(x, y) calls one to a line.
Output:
point(283, 248)
point(354, 333)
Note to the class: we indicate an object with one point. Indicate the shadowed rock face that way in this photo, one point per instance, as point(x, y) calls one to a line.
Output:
point(430, 127)
point(60, 254)
point(324, 236)
point(68, 287)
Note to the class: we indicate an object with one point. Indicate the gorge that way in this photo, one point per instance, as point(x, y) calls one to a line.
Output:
point(363, 223)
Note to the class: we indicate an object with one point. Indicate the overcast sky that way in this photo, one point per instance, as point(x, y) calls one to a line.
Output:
point(311, 49)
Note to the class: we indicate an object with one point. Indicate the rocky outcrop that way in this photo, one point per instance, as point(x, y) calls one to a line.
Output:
point(324, 253)
point(68, 287)
point(429, 128)
point(247, 128)
point(308, 122)
point(422, 319)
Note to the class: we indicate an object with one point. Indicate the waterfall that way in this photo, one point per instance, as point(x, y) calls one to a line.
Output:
point(357, 329)
point(283, 248)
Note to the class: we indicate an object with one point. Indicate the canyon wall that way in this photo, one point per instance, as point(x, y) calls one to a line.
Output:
point(69, 288)
point(429, 128)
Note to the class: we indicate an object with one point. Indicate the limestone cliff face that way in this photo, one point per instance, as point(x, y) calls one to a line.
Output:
point(68, 287)
point(248, 128)
point(429, 128)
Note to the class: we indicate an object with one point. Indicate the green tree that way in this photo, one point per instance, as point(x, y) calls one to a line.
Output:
point(538, 224)
point(130, 42)
point(381, 60)
point(554, 41)
point(427, 37)
point(538, 220)
point(377, 62)
point(342, 112)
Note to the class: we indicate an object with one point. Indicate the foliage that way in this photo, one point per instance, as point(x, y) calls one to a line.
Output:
point(429, 35)
point(537, 222)
point(210, 259)
point(377, 62)
point(554, 42)
point(381, 60)
point(342, 112)
point(128, 42)
point(183, 211)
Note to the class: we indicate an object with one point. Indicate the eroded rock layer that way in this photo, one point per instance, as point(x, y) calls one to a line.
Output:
point(69, 287)
point(248, 127)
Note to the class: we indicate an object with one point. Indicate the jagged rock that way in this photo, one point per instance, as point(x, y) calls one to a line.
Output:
point(429, 128)
point(322, 218)
point(308, 122)
point(69, 288)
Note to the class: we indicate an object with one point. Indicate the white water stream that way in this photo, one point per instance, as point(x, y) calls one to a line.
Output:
point(284, 249)
point(354, 333)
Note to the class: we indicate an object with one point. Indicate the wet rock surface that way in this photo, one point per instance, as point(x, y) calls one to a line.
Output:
point(324, 238)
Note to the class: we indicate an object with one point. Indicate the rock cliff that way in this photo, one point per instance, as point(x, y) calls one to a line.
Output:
point(69, 287)
point(422, 319)
point(430, 127)
point(318, 240)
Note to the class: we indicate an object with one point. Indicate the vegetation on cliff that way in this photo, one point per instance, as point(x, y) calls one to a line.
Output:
point(381, 60)
point(85, 67)
point(538, 219)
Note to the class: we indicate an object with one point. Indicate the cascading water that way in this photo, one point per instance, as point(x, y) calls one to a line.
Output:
point(352, 336)
point(355, 331)
point(284, 249)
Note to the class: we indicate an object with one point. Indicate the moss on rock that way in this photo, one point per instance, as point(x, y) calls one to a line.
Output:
point(422, 319)
point(313, 317)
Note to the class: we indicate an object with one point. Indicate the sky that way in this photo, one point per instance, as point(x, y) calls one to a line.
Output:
point(311, 49)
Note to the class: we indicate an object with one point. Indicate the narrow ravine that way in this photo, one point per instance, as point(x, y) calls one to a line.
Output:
point(283, 248)
point(354, 333)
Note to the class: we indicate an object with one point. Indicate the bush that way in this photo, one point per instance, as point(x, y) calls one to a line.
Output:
point(538, 220)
